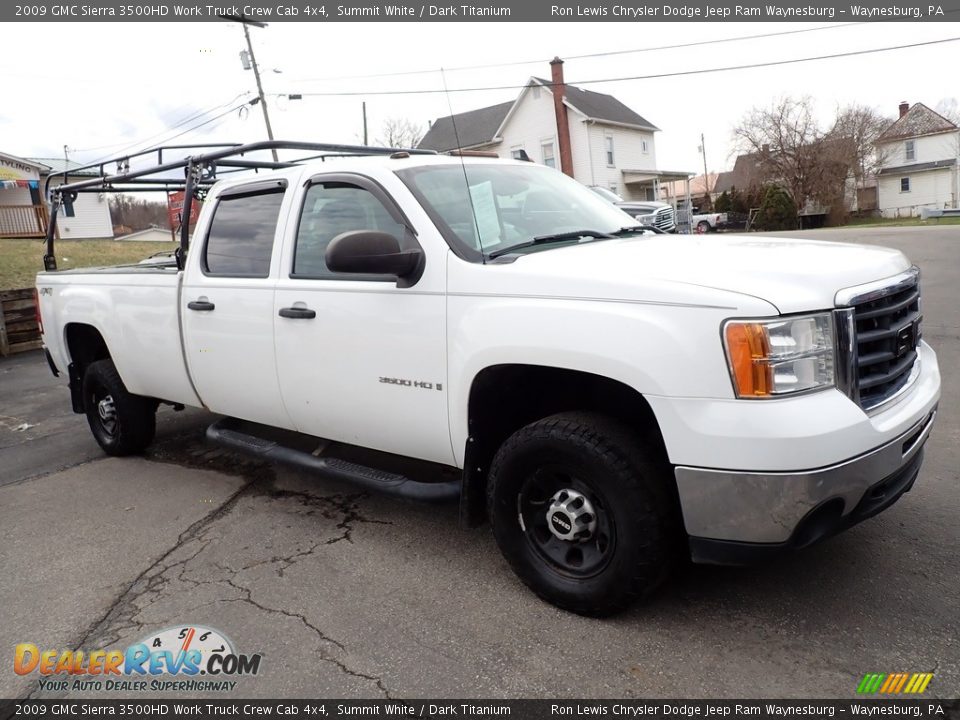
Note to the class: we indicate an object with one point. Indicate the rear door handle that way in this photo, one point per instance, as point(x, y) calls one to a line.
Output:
point(201, 305)
point(298, 313)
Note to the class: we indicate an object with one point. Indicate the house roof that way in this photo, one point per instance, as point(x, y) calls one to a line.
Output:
point(58, 165)
point(918, 120)
point(601, 107)
point(474, 127)
point(918, 167)
point(747, 172)
point(480, 127)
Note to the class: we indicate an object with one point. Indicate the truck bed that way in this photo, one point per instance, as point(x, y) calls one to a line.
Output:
point(135, 310)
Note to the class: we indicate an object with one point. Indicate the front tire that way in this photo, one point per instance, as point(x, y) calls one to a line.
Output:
point(580, 510)
point(121, 423)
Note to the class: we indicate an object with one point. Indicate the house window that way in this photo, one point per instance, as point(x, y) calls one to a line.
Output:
point(536, 92)
point(905, 184)
point(643, 146)
point(910, 150)
point(548, 157)
point(608, 145)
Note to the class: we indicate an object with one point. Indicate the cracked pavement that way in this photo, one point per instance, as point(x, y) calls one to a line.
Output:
point(348, 594)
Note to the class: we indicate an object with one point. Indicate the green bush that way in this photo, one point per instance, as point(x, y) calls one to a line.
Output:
point(723, 203)
point(777, 211)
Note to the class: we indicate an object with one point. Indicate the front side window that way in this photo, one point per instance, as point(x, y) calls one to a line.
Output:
point(910, 150)
point(331, 209)
point(241, 234)
point(905, 184)
point(608, 139)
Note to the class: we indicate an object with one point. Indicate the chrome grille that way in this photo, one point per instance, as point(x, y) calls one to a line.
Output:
point(885, 321)
point(664, 219)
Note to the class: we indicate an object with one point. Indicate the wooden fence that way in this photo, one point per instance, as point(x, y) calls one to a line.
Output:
point(18, 321)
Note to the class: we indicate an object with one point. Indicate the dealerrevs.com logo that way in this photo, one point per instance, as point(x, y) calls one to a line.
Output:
point(184, 658)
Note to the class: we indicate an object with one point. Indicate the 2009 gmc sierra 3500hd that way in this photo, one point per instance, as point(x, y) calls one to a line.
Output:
point(604, 397)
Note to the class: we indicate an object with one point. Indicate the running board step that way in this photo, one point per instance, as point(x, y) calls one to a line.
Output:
point(224, 432)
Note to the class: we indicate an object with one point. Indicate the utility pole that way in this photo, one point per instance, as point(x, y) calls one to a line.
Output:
point(365, 123)
point(256, 72)
point(706, 179)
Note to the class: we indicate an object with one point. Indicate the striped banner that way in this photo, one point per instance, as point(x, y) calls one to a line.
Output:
point(894, 683)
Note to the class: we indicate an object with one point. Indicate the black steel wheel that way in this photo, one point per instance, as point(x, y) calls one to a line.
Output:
point(121, 423)
point(580, 510)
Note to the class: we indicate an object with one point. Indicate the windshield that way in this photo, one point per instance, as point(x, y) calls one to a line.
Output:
point(484, 209)
point(606, 194)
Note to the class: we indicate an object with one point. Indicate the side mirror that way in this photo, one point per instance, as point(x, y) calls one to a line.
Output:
point(371, 252)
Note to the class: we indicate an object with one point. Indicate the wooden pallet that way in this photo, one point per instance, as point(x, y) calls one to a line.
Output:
point(19, 331)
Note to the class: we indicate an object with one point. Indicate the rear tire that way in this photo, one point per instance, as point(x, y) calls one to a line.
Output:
point(591, 479)
point(703, 227)
point(121, 423)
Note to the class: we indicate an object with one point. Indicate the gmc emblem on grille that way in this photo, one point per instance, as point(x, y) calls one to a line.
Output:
point(906, 340)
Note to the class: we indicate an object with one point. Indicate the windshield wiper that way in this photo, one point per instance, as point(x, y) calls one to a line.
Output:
point(638, 228)
point(556, 237)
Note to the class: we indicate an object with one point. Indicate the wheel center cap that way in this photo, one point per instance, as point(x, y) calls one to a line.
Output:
point(571, 516)
point(105, 409)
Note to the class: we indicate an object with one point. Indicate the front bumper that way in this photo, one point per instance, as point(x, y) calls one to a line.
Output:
point(737, 517)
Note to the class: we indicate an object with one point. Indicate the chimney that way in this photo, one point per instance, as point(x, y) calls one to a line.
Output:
point(904, 106)
point(560, 110)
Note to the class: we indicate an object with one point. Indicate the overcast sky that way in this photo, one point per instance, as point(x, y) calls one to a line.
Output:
point(109, 87)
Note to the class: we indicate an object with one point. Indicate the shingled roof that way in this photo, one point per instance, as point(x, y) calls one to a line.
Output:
point(598, 106)
point(475, 127)
point(918, 120)
point(479, 127)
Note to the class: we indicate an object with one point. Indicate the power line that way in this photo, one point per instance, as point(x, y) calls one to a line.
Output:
point(177, 124)
point(680, 73)
point(610, 53)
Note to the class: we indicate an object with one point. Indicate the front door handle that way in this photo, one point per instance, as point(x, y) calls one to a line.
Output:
point(201, 305)
point(298, 313)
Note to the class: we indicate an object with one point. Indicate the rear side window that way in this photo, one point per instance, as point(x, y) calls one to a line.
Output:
point(240, 239)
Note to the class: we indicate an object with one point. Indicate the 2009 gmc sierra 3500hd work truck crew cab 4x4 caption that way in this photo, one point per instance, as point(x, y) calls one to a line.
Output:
point(491, 329)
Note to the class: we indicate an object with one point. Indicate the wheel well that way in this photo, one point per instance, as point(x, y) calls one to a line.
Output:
point(85, 345)
point(504, 398)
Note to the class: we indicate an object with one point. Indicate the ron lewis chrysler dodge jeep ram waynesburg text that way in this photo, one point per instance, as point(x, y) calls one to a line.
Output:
point(491, 330)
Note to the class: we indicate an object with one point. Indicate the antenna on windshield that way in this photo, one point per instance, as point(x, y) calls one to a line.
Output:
point(463, 166)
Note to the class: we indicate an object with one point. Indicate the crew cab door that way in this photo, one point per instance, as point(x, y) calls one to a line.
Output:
point(227, 304)
point(361, 359)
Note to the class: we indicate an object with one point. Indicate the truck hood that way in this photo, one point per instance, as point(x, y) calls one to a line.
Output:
point(793, 275)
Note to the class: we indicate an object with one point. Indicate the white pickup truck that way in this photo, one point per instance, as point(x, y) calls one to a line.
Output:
point(494, 331)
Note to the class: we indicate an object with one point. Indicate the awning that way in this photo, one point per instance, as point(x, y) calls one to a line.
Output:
point(10, 184)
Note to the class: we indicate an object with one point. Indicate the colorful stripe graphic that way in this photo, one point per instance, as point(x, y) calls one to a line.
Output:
point(894, 683)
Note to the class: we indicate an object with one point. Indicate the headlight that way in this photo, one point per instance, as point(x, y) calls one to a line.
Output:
point(769, 358)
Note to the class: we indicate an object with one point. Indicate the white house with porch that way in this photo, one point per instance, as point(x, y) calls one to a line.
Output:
point(921, 163)
point(590, 136)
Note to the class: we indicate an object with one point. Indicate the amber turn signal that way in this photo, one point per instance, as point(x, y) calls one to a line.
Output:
point(749, 349)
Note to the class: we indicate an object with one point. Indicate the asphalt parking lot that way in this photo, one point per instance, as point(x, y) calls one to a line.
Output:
point(352, 595)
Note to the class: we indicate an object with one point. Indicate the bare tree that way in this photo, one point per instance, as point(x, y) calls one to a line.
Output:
point(812, 164)
point(786, 139)
point(950, 109)
point(857, 128)
point(400, 133)
point(137, 213)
